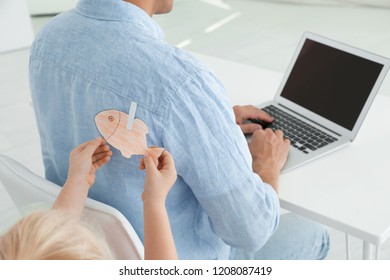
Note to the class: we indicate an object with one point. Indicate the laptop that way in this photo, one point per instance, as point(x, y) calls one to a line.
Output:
point(324, 96)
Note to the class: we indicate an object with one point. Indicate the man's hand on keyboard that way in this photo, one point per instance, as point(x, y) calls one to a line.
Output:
point(269, 152)
point(249, 112)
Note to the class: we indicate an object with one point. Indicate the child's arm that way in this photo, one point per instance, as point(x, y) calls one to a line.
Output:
point(84, 160)
point(158, 239)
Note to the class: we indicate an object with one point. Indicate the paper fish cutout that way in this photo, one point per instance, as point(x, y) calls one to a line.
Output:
point(112, 126)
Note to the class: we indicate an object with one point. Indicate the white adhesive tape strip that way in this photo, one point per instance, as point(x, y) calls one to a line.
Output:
point(133, 108)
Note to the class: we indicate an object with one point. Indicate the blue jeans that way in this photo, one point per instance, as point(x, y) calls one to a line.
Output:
point(296, 238)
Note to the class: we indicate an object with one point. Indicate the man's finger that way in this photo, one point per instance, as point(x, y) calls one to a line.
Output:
point(243, 113)
point(279, 133)
point(250, 127)
point(264, 116)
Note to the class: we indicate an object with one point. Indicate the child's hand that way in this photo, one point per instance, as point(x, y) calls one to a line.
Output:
point(85, 159)
point(160, 177)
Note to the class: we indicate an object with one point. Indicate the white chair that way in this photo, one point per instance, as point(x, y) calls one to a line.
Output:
point(26, 188)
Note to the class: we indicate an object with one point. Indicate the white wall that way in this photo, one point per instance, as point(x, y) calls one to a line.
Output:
point(41, 7)
point(15, 25)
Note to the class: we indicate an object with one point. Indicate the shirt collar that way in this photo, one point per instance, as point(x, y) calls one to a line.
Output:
point(119, 10)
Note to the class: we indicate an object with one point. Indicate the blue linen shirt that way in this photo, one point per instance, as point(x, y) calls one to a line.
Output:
point(105, 54)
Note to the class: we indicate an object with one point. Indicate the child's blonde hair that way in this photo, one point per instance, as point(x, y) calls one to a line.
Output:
point(51, 235)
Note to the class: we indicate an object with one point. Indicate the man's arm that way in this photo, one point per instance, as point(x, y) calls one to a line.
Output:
point(213, 158)
point(269, 152)
point(269, 149)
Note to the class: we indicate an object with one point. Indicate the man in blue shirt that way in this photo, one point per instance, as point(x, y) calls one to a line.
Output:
point(105, 54)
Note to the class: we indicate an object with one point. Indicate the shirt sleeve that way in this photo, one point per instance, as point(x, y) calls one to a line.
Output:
point(212, 156)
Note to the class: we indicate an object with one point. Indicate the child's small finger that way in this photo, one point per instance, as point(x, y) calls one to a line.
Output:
point(166, 160)
point(150, 165)
point(90, 147)
point(97, 157)
point(102, 148)
point(99, 163)
point(141, 164)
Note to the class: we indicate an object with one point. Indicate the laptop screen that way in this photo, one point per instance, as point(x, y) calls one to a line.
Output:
point(331, 83)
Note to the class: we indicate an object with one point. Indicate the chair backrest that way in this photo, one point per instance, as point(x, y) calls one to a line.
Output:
point(26, 188)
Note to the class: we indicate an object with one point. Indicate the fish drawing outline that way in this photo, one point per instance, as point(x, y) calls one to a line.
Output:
point(112, 125)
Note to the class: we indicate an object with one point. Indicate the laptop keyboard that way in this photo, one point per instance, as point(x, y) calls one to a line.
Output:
point(303, 136)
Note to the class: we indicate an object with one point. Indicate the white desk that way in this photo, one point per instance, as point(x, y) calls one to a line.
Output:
point(348, 190)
